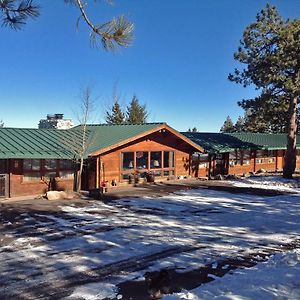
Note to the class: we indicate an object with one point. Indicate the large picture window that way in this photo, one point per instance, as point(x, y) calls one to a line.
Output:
point(158, 163)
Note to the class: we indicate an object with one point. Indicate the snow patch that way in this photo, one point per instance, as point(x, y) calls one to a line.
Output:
point(94, 291)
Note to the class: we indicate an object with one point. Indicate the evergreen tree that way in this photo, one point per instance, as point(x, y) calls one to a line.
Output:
point(270, 52)
point(116, 116)
point(136, 113)
point(255, 122)
point(1, 123)
point(239, 125)
point(194, 129)
point(227, 126)
point(117, 32)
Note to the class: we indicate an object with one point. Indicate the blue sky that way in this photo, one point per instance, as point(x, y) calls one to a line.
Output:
point(178, 64)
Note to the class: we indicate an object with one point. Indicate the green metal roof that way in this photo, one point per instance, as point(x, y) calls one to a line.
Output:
point(270, 141)
point(105, 136)
point(60, 144)
point(34, 143)
point(217, 142)
point(227, 142)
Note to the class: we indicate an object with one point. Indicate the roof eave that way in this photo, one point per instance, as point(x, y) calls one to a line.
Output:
point(145, 133)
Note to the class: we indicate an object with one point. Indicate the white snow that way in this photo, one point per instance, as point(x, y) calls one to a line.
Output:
point(211, 225)
point(94, 291)
point(278, 278)
point(269, 182)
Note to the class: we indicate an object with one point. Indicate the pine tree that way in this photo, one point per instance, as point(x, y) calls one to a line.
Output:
point(116, 116)
point(227, 126)
point(136, 113)
point(1, 123)
point(269, 50)
point(239, 124)
point(110, 35)
point(255, 122)
point(194, 129)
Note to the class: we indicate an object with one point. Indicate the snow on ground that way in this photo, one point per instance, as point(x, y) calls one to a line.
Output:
point(119, 241)
point(269, 182)
point(277, 278)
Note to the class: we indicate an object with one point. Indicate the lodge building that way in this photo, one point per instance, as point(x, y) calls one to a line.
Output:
point(33, 161)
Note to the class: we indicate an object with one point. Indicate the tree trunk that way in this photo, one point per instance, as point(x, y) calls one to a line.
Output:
point(290, 155)
point(79, 173)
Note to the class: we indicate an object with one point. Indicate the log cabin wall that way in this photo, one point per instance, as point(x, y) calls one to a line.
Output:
point(270, 161)
point(20, 186)
point(252, 163)
point(111, 169)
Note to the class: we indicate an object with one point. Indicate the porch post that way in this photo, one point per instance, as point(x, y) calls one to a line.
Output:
point(209, 166)
point(97, 172)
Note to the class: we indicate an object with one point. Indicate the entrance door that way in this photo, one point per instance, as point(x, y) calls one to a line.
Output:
point(3, 185)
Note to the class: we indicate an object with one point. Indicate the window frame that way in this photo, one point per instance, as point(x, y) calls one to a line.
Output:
point(160, 170)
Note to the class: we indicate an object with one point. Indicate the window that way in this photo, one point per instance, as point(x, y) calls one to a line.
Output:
point(128, 160)
point(31, 165)
point(169, 159)
point(265, 156)
point(142, 163)
point(155, 160)
point(31, 170)
point(246, 157)
point(3, 166)
point(233, 158)
point(66, 164)
point(200, 160)
point(142, 160)
point(66, 169)
point(50, 164)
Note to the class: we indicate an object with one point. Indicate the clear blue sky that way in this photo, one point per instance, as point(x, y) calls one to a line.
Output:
point(178, 64)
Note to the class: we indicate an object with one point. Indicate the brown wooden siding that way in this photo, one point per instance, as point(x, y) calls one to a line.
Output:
point(160, 141)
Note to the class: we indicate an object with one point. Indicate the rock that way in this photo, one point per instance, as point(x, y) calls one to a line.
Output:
point(246, 175)
point(56, 195)
point(261, 171)
point(232, 177)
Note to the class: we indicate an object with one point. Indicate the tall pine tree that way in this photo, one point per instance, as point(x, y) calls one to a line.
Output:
point(116, 115)
point(269, 51)
point(136, 113)
point(227, 126)
point(239, 124)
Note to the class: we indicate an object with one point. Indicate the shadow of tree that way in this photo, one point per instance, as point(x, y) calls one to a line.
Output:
point(48, 254)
